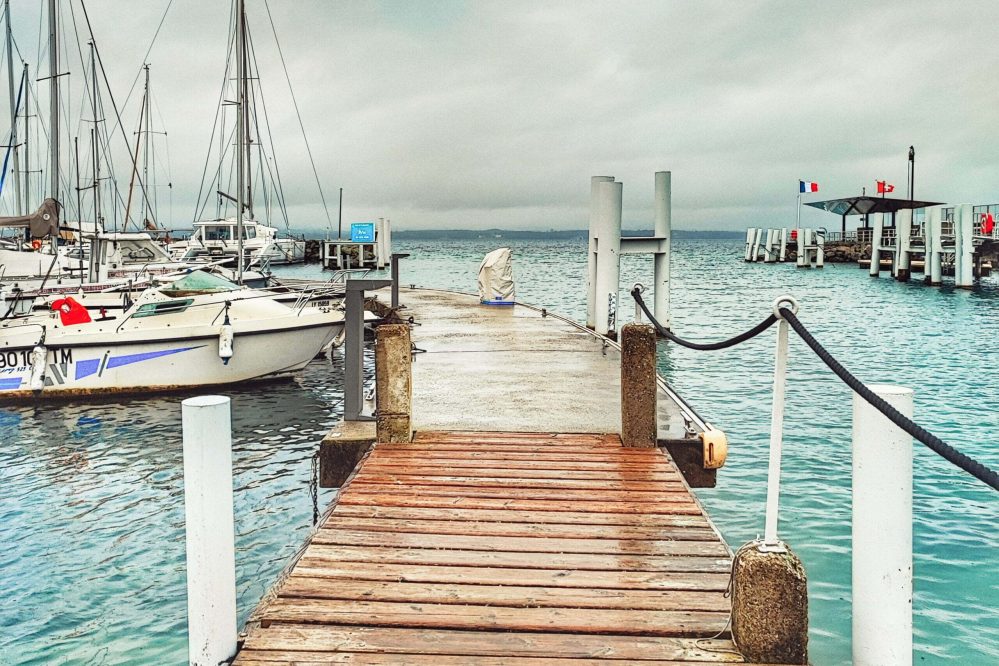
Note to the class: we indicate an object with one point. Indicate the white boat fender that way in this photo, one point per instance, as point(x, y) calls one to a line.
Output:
point(715, 448)
point(226, 339)
point(39, 355)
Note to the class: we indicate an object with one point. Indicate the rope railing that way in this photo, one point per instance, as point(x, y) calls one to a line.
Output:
point(976, 469)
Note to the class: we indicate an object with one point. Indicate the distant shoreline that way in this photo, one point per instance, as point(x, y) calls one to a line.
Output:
point(571, 234)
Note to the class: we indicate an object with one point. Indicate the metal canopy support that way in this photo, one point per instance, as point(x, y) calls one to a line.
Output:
point(353, 347)
point(395, 278)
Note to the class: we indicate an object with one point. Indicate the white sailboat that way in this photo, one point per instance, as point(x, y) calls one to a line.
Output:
point(198, 331)
point(216, 239)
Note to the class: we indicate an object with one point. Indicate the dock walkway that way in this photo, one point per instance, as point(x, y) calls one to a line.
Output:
point(505, 548)
point(507, 532)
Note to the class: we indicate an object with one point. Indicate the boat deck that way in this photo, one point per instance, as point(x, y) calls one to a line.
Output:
point(505, 548)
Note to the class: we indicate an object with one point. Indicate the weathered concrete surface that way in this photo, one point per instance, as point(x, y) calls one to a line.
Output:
point(770, 607)
point(512, 369)
point(393, 378)
point(342, 449)
point(638, 386)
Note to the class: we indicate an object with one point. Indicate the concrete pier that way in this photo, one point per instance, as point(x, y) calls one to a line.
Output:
point(515, 527)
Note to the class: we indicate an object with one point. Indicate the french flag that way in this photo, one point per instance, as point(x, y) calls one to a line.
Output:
point(805, 186)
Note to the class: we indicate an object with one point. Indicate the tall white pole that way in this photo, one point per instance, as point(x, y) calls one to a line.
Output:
point(750, 234)
point(663, 229)
point(934, 244)
point(882, 532)
point(776, 433)
point(241, 97)
point(208, 514)
point(608, 222)
point(591, 253)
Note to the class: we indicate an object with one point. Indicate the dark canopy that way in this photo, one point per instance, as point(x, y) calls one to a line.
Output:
point(865, 205)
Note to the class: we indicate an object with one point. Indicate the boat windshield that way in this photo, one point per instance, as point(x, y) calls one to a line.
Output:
point(198, 282)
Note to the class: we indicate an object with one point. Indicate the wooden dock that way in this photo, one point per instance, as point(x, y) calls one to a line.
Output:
point(505, 548)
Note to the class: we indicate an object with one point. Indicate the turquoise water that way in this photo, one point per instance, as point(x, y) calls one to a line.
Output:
point(91, 519)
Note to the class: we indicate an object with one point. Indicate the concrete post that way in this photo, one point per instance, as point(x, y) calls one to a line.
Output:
point(882, 532)
point(353, 347)
point(608, 223)
point(638, 386)
point(768, 247)
point(876, 231)
point(208, 518)
point(380, 243)
point(663, 229)
point(903, 240)
point(820, 249)
point(932, 270)
point(783, 245)
point(591, 254)
point(750, 238)
point(394, 383)
point(395, 258)
point(757, 241)
point(770, 606)
point(964, 246)
point(388, 241)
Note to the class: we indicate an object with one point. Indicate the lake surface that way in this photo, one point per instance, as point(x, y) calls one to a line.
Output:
point(91, 494)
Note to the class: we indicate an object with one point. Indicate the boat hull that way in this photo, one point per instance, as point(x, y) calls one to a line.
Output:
point(162, 365)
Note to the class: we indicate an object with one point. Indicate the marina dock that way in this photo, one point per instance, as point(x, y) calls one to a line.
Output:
point(514, 527)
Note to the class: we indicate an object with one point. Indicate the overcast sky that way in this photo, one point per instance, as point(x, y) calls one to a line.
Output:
point(495, 114)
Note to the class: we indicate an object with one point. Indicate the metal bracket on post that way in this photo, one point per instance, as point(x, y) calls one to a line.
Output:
point(395, 278)
point(353, 347)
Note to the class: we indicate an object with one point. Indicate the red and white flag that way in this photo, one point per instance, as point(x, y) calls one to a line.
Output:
point(884, 187)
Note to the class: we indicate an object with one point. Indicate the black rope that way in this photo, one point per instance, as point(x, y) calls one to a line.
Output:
point(947, 452)
point(973, 467)
point(707, 346)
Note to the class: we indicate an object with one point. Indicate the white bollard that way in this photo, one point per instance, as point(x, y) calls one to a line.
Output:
point(964, 246)
point(591, 255)
point(663, 229)
point(879, 221)
point(750, 234)
point(208, 514)
point(802, 261)
point(608, 222)
point(882, 532)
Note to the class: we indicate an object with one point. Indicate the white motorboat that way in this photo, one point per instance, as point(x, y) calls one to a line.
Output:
point(216, 239)
point(198, 331)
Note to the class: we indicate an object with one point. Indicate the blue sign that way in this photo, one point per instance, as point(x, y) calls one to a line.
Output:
point(362, 232)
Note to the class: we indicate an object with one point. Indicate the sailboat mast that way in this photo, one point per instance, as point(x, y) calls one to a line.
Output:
point(97, 140)
point(240, 132)
point(144, 128)
point(247, 125)
point(13, 109)
point(27, 142)
point(54, 110)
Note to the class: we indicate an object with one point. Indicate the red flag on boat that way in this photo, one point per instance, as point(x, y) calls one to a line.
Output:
point(884, 187)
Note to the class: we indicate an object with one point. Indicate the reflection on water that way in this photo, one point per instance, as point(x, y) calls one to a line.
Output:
point(91, 515)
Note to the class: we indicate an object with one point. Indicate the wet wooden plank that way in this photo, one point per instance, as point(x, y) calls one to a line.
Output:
point(501, 618)
point(466, 515)
point(445, 574)
point(355, 537)
point(319, 587)
point(429, 526)
point(530, 466)
point(504, 645)
point(579, 561)
point(428, 500)
point(569, 480)
point(294, 658)
point(515, 492)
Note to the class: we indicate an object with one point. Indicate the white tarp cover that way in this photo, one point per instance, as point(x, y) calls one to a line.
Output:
point(496, 277)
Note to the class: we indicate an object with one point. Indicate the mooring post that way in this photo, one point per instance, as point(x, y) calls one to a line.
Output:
point(882, 531)
point(663, 229)
point(783, 245)
point(750, 234)
point(820, 248)
point(876, 232)
point(208, 518)
point(964, 246)
point(608, 220)
point(802, 259)
point(353, 347)
point(395, 278)
point(903, 242)
point(394, 383)
point(591, 255)
point(932, 265)
point(638, 386)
